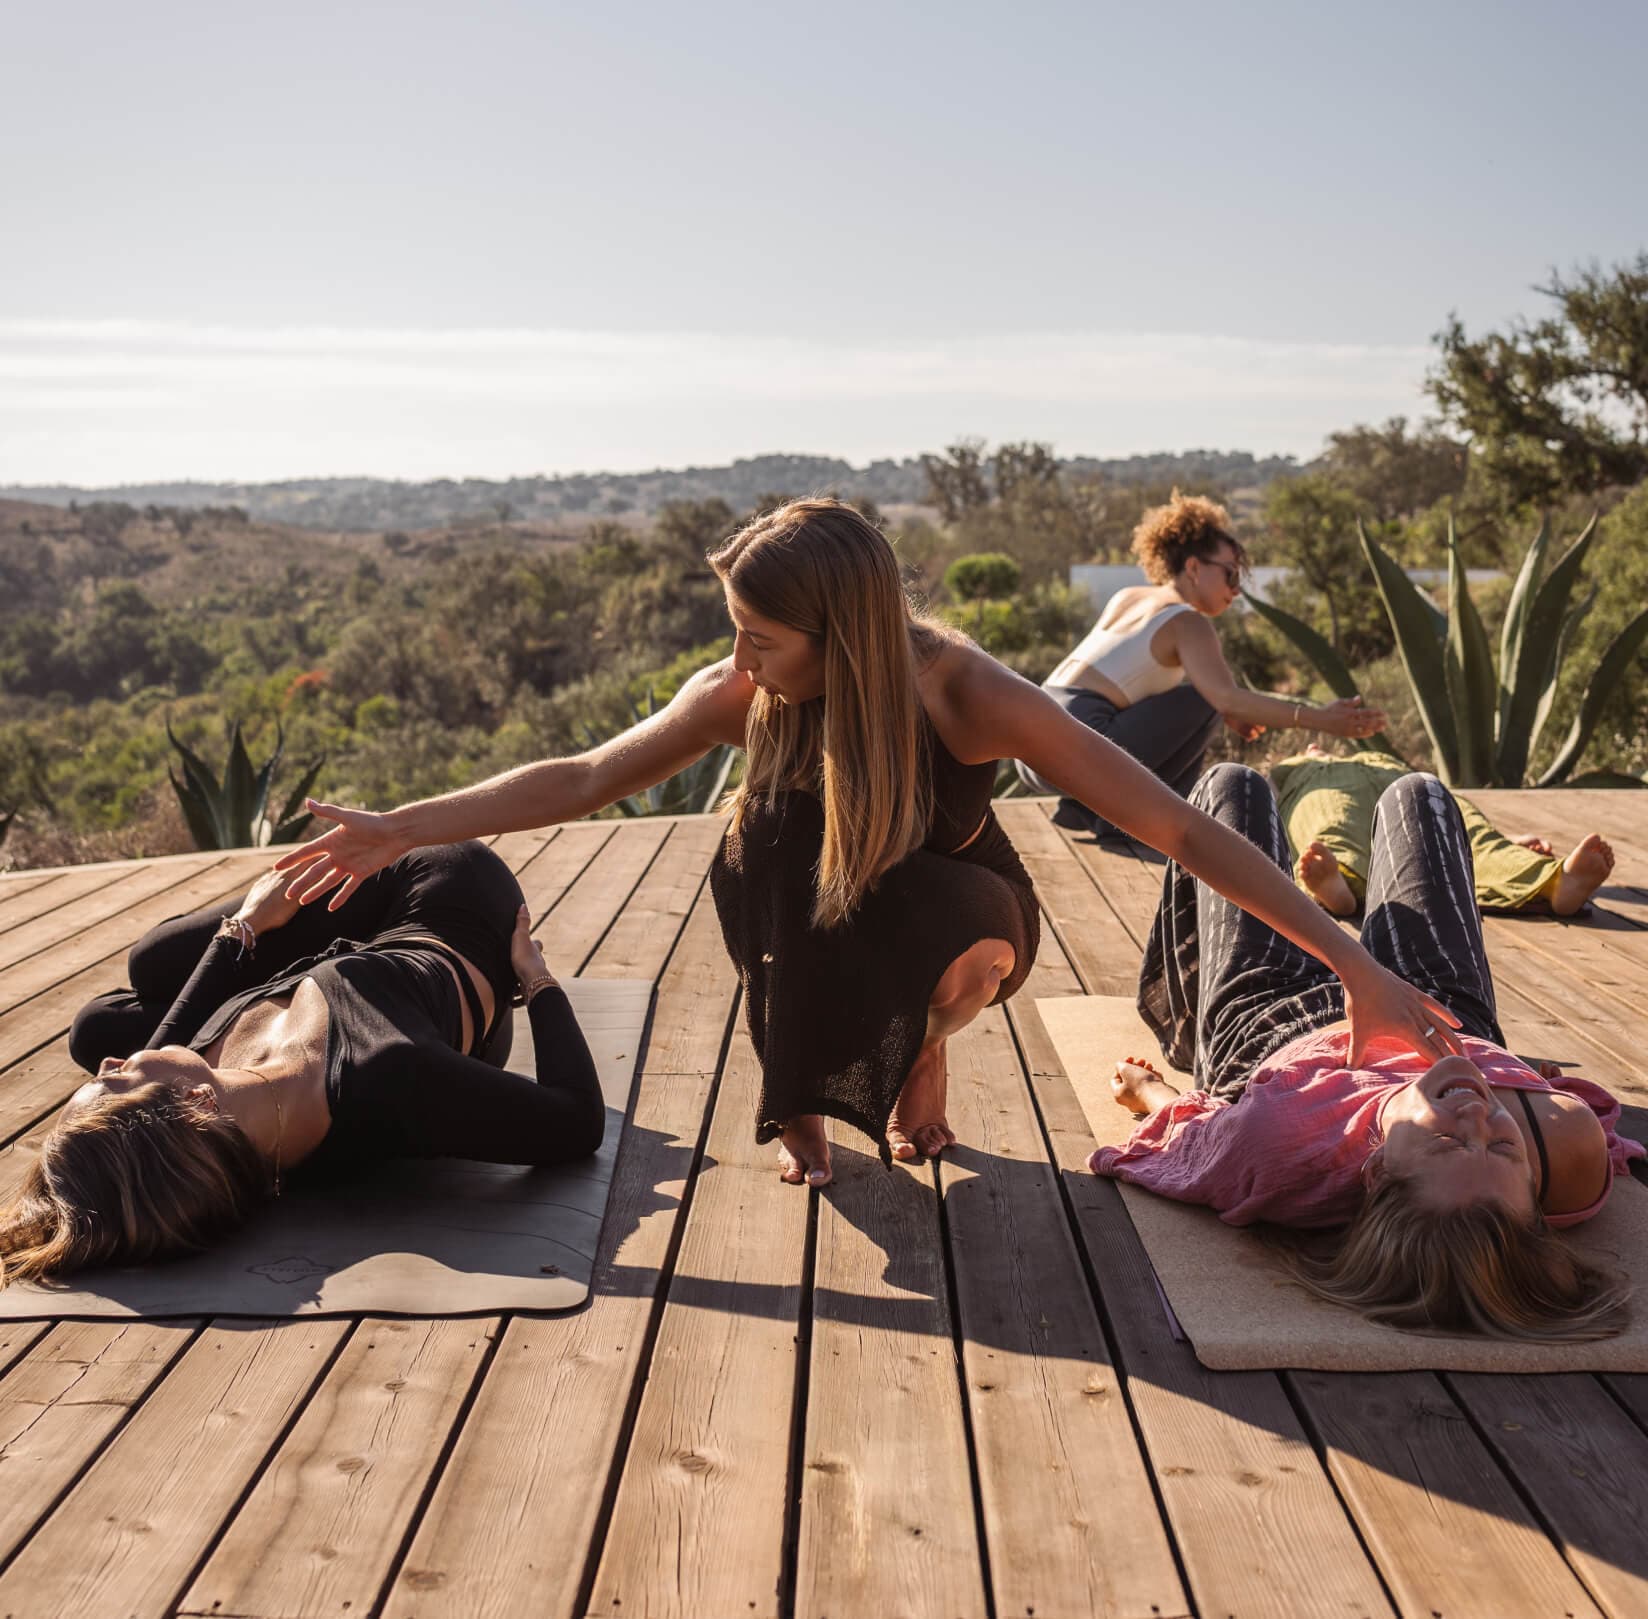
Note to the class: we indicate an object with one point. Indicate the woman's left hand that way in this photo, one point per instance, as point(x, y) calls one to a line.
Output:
point(266, 905)
point(1381, 1006)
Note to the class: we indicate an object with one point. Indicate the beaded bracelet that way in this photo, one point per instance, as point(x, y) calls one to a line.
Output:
point(242, 932)
point(527, 991)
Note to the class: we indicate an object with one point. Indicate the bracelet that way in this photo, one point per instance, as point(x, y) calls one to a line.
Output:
point(527, 991)
point(1298, 722)
point(242, 932)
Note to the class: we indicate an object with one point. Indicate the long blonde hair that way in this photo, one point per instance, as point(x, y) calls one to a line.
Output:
point(821, 567)
point(1479, 1268)
point(129, 1178)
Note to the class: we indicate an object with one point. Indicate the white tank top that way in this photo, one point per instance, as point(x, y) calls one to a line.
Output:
point(1124, 658)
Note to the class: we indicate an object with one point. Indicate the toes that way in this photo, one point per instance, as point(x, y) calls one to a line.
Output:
point(933, 1139)
point(904, 1149)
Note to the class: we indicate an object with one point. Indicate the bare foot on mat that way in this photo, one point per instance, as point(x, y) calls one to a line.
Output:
point(1139, 1087)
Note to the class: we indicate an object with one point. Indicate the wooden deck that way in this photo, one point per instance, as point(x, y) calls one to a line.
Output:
point(944, 1391)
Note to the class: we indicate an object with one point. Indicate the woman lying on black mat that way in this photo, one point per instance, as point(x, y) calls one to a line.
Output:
point(1446, 1178)
point(262, 1036)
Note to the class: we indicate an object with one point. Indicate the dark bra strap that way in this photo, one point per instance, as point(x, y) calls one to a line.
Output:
point(1539, 1144)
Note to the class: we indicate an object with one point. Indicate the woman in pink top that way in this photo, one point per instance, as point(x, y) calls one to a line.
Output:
point(1151, 675)
point(1444, 1180)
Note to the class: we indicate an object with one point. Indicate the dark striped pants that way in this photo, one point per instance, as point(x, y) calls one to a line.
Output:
point(1221, 990)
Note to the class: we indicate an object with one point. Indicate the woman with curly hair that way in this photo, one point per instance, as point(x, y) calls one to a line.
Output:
point(1430, 1189)
point(1151, 676)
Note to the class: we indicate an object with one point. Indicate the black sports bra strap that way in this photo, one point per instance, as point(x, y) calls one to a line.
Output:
point(1539, 1144)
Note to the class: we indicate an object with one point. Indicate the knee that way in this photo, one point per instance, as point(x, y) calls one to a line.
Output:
point(1417, 788)
point(101, 1028)
point(1223, 783)
point(976, 974)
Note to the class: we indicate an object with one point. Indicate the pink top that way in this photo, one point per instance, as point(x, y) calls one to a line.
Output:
point(1291, 1150)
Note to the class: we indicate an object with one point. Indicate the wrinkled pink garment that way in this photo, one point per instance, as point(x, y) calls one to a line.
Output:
point(1291, 1148)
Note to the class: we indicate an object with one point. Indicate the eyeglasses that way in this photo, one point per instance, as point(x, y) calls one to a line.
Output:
point(1231, 571)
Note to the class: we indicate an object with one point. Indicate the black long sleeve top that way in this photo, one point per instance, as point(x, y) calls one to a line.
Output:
point(395, 1083)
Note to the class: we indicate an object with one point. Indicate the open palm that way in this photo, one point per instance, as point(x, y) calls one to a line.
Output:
point(337, 862)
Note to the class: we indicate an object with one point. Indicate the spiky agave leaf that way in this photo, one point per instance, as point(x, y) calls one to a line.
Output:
point(202, 799)
point(1516, 616)
point(198, 814)
point(1470, 677)
point(1536, 658)
point(1413, 621)
point(1323, 656)
point(1576, 615)
point(294, 820)
point(1607, 675)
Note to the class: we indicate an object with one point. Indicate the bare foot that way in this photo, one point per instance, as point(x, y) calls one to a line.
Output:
point(1321, 878)
point(918, 1127)
point(1139, 1087)
point(1582, 874)
point(804, 1152)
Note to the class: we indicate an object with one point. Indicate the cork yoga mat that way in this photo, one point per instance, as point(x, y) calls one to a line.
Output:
point(425, 1237)
point(1233, 1297)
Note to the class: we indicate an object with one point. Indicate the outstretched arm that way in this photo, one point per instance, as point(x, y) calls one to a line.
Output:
point(1244, 710)
point(709, 709)
point(1001, 715)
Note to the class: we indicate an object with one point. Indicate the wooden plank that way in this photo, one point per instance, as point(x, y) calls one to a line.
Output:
point(127, 1535)
point(654, 912)
point(60, 1404)
point(1584, 1468)
point(1631, 1390)
point(1447, 1530)
point(99, 909)
point(588, 906)
point(35, 1087)
point(1086, 924)
point(887, 1523)
point(546, 877)
point(322, 1528)
point(516, 1509)
point(708, 1461)
point(1258, 1525)
point(1055, 1446)
point(105, 949)
point(21, 900)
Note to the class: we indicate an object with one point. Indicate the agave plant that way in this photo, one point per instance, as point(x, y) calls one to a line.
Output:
point(1323, 654)
point(233, 813)
point(693, 791)
point(1485, 721)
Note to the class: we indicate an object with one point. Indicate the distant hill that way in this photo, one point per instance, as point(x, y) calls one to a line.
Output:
point(362, 505)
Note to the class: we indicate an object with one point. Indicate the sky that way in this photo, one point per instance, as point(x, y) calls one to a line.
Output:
point(425, 240)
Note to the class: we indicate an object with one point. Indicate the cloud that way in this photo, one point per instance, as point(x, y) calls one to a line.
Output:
point(314, 399)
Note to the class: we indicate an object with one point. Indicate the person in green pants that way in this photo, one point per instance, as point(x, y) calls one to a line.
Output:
point(1327, 804)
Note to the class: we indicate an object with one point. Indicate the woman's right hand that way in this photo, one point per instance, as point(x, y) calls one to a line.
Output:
point(526, 955)
point(361, 843)
point(1349, 717)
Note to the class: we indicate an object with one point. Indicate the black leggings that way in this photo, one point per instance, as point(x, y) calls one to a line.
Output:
point(1222, 990)
point(1167, 733)
point(460, 893)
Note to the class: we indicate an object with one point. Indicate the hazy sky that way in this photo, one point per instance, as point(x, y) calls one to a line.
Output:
point(422, 239)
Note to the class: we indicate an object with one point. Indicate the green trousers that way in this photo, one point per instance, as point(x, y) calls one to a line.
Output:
point(1331, 801)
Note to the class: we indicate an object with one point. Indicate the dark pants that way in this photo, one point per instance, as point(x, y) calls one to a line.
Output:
point(1168, 734)
point(1222, 990)
point(460, 893)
